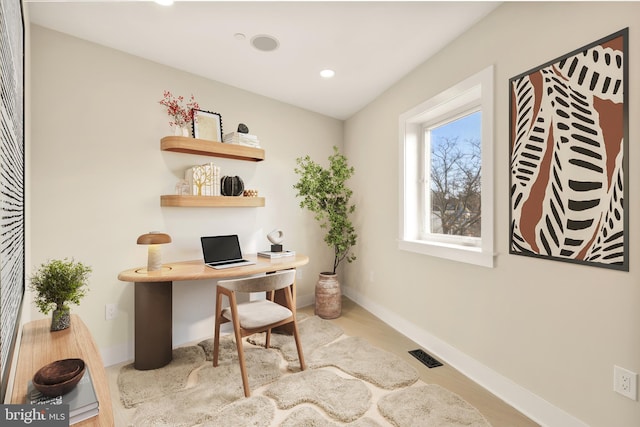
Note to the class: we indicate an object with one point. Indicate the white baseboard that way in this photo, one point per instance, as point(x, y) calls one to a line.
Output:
point(305, 300)
point(530, 404)
point(117, 354)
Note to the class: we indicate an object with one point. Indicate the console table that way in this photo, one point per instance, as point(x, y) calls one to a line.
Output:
point(39, 347)
point(153, 328)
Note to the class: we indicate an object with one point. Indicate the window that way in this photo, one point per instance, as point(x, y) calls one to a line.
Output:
point(446, 155)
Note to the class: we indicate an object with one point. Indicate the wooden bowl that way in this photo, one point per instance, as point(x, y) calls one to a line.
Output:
point(59, 377)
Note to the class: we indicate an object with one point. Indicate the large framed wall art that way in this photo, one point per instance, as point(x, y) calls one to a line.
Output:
point(11, 179)
point(569, 166)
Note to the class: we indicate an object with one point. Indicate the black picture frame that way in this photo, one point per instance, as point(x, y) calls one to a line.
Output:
point(207, 125)
point(569, 167)
point(12, 180)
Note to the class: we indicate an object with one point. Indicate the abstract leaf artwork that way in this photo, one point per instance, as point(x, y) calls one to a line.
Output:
point(12, 184)
point(568, 171)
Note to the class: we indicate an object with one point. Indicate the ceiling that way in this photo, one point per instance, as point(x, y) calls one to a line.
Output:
point(370, 45)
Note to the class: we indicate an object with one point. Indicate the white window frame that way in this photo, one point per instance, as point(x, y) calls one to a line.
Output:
point(475, 92)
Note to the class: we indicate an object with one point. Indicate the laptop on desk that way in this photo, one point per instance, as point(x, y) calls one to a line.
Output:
point(222, 252)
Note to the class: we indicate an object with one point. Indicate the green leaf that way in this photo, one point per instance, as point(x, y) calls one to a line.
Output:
point(59, 282)
point(325, 193)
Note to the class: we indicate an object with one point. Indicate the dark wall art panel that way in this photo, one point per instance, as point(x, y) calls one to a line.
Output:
point(11, 178)
point(568, 171)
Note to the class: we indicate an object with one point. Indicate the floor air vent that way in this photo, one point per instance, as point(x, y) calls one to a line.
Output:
point(425, 358)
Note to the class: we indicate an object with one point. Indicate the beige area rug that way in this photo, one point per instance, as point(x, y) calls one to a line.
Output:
point(135, 387)
point(314, 333)
point(360, 359)
point(348, 383)
point(432, 405)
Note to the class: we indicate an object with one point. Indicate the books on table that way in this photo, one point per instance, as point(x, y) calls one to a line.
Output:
point(272, 255)
point(82, 400)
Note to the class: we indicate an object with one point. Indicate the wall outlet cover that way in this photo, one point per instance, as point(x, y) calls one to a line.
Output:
point(110, 311)
point(625, 382)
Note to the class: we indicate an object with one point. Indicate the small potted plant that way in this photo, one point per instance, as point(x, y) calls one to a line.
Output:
point(57, 283)
point(325, 193)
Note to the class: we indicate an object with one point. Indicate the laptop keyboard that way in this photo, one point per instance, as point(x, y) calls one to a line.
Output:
point(228, 264)
point(235, 261)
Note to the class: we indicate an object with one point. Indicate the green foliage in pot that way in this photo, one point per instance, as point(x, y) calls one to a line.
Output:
point(58, 282)
point(325, 193)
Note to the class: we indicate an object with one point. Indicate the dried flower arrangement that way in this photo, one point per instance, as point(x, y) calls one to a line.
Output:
point(180, 115)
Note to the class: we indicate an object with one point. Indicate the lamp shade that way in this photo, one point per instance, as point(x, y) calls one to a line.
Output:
point(154, 238)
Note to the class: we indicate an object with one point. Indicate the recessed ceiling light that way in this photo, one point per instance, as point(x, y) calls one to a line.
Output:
point(327, 74)
point(164, 2)
point(265, 42)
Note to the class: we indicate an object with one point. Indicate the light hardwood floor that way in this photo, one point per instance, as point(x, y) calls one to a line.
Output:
point(356, 321)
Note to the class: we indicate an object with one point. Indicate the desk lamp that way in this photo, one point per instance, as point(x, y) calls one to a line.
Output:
point(154, 239)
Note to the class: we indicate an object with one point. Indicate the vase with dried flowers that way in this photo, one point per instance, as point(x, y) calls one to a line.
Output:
point(181, 115)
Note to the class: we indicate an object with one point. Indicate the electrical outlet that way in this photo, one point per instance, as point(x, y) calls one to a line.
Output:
point(625, 382)
point(110, 311)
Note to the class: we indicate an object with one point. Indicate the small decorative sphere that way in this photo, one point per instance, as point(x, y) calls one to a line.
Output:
point(242, 128)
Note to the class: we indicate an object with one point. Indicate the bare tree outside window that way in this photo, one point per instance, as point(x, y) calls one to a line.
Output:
point(455, 178)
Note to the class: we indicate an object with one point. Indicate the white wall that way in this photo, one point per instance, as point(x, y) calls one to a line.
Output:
point(97, 173)
point(553, 328)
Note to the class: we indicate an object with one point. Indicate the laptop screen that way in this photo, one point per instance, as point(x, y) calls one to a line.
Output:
point(220, 248)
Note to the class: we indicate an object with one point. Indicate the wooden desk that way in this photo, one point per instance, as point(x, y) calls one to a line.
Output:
point(153, 294)
point(39, 347)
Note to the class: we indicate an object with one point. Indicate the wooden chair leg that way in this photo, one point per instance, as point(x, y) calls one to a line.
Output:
point(216, 329)
point(238, 335)
point(296, 336)
point(243, 367)
point(267, 341)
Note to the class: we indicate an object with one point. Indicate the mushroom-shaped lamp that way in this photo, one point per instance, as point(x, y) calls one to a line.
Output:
point(154, 239)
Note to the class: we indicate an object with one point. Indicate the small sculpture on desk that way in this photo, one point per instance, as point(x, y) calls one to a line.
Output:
point(276, 237)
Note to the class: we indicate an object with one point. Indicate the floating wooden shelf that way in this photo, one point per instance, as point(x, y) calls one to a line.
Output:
point(183, 144)
point(211, 201)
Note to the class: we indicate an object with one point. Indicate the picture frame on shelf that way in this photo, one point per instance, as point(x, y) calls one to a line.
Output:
point(207, 125)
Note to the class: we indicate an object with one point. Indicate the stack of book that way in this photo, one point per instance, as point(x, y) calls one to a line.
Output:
point(82, 400)
point(241, 139)
point(203, 180)
point(272, 255)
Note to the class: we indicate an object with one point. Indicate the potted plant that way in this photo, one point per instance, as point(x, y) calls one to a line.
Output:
point(325, 193)
point(57, 283)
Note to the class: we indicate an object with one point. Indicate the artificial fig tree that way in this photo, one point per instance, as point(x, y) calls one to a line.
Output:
point(325, 193)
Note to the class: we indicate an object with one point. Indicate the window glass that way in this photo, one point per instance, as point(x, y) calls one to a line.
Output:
point(454, 190)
